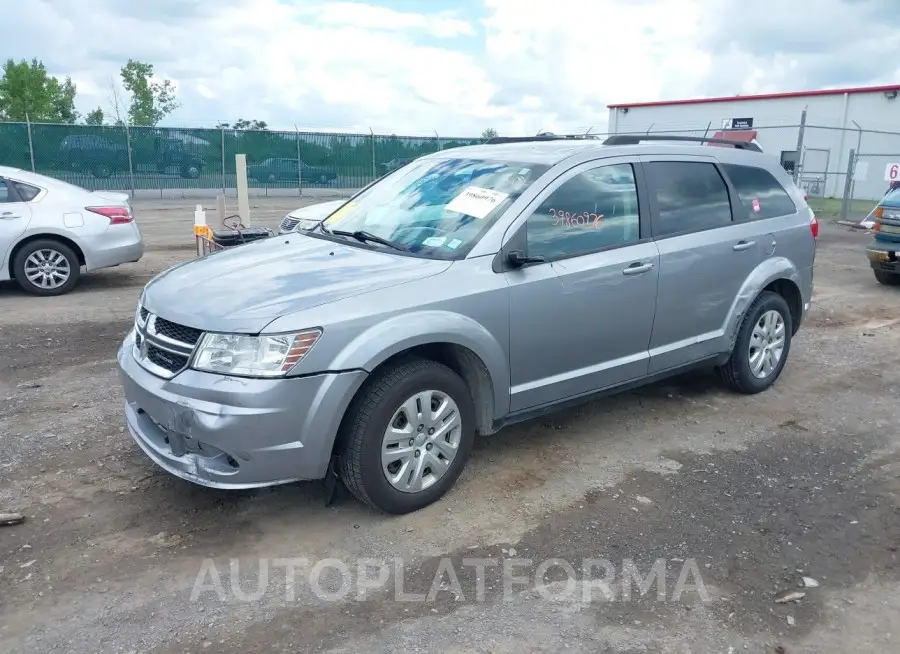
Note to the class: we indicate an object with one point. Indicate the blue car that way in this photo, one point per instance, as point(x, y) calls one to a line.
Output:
point(884, 250)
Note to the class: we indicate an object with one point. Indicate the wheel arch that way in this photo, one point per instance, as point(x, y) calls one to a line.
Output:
point(42, 236)
point(777, 274)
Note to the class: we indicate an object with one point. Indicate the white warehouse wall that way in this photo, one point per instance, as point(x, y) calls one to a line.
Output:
point(826, 145)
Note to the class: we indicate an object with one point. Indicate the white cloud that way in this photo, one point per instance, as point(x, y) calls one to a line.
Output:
point(516, 65)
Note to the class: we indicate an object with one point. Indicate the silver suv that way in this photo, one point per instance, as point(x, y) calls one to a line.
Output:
point(467, 290)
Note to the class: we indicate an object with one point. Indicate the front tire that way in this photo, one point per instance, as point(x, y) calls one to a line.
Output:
point(46, 267)
point(886, 278)
point(407, 436)
point(762, 346)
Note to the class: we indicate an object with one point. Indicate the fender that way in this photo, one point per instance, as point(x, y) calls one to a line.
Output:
point(39, 232)
point(764, 274)
point(377, 344)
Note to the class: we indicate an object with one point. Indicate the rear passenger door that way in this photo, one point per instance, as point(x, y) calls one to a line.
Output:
point(705, 257)
point(15, 215)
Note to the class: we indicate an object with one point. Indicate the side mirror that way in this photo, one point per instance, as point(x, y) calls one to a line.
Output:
point(517, 259)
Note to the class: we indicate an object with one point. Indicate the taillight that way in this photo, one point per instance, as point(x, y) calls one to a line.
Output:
point(814, 227)
point(116, 215)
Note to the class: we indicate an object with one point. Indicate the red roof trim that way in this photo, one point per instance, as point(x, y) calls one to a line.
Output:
point(765, 96)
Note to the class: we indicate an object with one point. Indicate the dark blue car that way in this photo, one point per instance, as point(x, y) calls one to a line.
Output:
point(884, 250)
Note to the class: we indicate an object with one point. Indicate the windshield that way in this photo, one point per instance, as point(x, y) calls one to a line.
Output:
point(436, 207)
point(892, 198)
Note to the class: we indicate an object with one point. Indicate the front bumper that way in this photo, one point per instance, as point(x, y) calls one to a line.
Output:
point(232, 432)
point(116, 245)
point(884, 256)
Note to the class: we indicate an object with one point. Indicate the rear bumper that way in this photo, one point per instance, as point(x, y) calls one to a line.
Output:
point(229, 432)
point(116, 245)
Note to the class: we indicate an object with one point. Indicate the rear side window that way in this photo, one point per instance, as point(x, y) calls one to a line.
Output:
point(4, 192)
point(760, 194)
point(26, 191)
point(688, 197)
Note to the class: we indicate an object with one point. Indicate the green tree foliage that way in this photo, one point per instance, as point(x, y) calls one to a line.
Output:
point(489, 133)
point(27, 91)
point(242, 124)
point(151, 100)
point(94, 117)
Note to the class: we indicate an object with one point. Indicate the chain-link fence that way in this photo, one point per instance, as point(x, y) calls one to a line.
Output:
point(869, 170)
point(184, 162)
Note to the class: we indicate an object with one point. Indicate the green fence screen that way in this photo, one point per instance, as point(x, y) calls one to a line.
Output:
point(154, 158)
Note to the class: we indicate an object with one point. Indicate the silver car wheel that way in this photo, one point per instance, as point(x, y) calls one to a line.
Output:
point(766, 344)
point(47, 268)
point(421, 441)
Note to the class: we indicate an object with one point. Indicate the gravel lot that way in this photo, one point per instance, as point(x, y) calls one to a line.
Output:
point(749, 493)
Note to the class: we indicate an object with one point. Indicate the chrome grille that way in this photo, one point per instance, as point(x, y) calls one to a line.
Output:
point(288, 224)
point(162, 346)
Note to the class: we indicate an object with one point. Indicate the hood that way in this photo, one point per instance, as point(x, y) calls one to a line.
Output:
point(245, 288)
point(316, 211)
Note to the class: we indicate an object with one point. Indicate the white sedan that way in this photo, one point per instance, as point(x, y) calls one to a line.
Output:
point(305, 218)
point(50, 230)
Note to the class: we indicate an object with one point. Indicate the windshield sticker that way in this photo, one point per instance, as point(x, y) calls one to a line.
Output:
point(455, 243)
point(756, 205)
point(477, 202)
point(434, 241)
point(585, 219)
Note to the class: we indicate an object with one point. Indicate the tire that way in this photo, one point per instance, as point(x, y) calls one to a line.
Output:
point(376, 407)
point(886, 278)
point(190, 172)
point(323, 179)
point(272, 178)
point(101, 172)
point(49, 249)
point(737, 373)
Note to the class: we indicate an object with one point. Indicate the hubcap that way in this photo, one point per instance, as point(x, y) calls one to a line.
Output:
point(766, 344)
point(421, 441)
point(47, 268)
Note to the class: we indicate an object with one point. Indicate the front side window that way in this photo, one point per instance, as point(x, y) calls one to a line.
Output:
point(437, 208)
point(689, 197)
point(760, 194)
point(593, 210)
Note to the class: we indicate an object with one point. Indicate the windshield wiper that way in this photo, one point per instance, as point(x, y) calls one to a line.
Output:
point(364, 237)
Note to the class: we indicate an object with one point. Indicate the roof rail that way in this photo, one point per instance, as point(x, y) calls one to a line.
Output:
point(525, 139)
point(635, 139)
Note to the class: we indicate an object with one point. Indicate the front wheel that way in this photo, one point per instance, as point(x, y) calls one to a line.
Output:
point(407, 436)
point(762, 345)
point(46, 267)
point(886, 278)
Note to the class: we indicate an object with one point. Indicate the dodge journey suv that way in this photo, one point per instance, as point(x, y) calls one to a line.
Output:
point(467, 290)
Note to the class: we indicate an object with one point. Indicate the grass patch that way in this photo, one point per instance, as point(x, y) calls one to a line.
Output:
point(830, 208)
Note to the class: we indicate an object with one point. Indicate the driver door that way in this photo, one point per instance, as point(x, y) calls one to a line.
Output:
point(581, 319)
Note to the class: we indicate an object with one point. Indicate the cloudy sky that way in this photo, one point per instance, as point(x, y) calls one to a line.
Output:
point(453, 66)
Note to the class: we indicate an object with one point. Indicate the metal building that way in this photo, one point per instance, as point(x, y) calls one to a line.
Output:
point(838, 123)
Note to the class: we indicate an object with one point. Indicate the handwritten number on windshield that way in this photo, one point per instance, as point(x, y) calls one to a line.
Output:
point(584, 219)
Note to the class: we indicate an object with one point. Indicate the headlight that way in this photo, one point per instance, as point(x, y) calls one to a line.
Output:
point(253, 356)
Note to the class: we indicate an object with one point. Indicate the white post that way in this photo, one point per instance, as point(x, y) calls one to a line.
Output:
point(201, 229)
point(240, 164)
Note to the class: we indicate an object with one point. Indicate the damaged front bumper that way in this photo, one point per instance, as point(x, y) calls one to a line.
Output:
point(233, 432)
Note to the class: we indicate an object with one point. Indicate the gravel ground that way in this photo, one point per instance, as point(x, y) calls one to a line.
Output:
point(735, 499)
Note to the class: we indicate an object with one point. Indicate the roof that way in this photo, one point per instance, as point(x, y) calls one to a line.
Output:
point(765, 96)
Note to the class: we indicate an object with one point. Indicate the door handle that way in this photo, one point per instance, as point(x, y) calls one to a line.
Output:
point(637, 268)
point(9, 215)
point(743, 245)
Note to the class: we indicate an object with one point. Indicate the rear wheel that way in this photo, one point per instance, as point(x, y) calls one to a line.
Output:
point(762, 345)
point(886, 278)
point(407, 436)
point(46, 267)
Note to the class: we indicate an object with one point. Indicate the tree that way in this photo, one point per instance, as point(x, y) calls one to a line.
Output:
point(94, 117)
point(241, 124)
point(27, 91)
point(489, 133)
point(151, 100)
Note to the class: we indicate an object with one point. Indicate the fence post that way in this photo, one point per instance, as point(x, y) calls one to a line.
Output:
point(224, 180)
point(299, 162)
point(131, 162)
point(848, 182)
point(800, 134)
point(373, 153)
point(30, 142)
point(438, 139)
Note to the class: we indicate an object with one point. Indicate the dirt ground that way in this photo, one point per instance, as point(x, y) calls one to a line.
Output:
point(749, 494)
